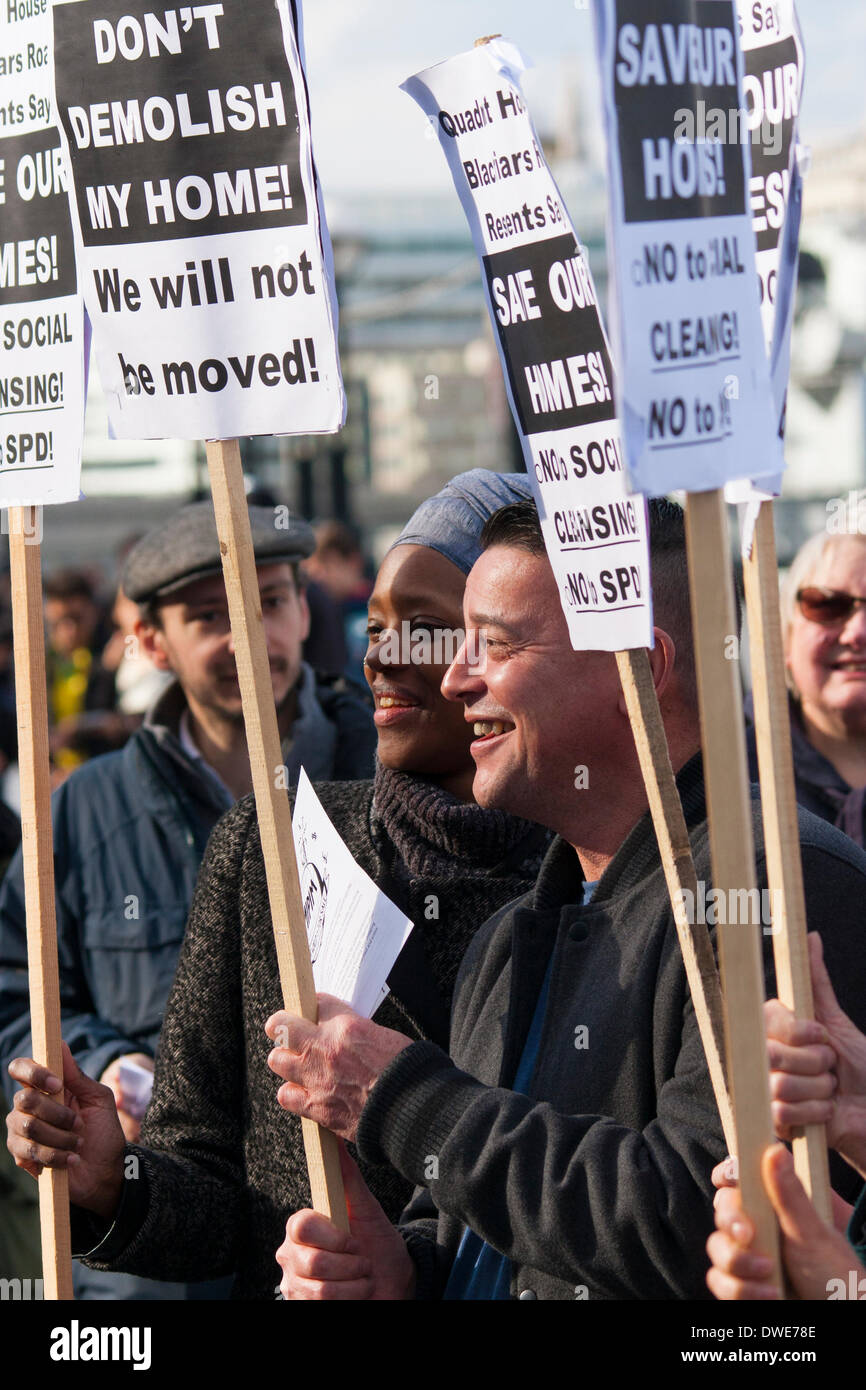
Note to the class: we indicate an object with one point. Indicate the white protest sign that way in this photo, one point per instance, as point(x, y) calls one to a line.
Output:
point(551, 341)
point(695, 385)
point(203, 254)
point(41, 315)
point(355, 932)
point(773, 85)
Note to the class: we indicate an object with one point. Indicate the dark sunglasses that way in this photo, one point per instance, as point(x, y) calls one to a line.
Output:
point(827, 606)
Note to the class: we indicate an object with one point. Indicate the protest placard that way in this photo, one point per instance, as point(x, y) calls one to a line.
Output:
point(42, 366)
point(687, 328)
point(202, 249)
point(551, 340)
point(41, 317)
point(698, 412)
point(558, 375)
point(772, 87)
point(207, 270)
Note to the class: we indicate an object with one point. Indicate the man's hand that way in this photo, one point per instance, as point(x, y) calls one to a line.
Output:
point(321, 1262)
point(818, 1070)
point(331, 1066)
point(74, 1128)
point(813, 1253)
point(129, 1123)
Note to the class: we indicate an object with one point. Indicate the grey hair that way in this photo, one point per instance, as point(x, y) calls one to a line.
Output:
point(803, 567)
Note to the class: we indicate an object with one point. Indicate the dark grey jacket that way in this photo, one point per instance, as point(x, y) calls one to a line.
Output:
point(599, 1178)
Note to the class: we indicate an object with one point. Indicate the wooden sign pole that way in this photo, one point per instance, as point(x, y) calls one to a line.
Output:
point(679, 868)
point(272, 803)
point(781, 835)
point(37, 847)
point(733, 851)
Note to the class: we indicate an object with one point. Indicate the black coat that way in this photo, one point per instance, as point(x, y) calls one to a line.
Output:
point(596, 1183)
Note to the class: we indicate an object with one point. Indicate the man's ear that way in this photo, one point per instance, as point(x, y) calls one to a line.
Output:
point(152, 642)
point(662, 660)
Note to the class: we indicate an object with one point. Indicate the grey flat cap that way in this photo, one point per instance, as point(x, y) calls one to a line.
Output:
point(186, 548)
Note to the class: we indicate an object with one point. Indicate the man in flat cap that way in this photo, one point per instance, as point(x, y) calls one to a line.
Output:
point(130, 828)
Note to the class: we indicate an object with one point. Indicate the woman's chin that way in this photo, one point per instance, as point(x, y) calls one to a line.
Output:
point(416, 757)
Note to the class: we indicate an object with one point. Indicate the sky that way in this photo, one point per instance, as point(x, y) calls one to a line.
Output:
point(368, 135)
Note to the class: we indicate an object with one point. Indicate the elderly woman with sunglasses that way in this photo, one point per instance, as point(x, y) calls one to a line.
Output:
point(824, 621)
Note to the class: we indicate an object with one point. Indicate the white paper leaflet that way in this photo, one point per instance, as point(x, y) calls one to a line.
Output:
point(355, 932)
point(773, 85)
point(136, 1086)
point(695, 388)
point(41, 314)
point(202, 250)
point(551, 340)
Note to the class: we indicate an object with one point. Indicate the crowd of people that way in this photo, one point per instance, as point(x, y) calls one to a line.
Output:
point(529, 1113)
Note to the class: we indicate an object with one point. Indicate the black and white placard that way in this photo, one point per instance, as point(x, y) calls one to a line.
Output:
point(696, 399)
point(41, 314)
point(551, 341)
point(202, 247)
point(773, 85)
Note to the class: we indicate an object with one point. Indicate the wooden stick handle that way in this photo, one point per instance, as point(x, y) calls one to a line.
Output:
point(781, 833)
point(37, 848)
point(676, 855)
point(272, 803)
point(733, 851)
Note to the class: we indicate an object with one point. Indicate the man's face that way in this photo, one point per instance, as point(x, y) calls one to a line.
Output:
point(557, 708)
point(828, 663)
point(195, 640)
point(71, 623)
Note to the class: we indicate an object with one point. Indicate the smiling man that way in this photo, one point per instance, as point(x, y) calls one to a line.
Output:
point(564, 1148)
point(130, 828)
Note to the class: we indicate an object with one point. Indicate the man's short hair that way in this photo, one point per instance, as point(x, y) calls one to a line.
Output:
point(518, 526)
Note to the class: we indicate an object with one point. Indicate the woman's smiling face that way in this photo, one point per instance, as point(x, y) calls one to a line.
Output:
point(415, 626)
point(827, 664)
